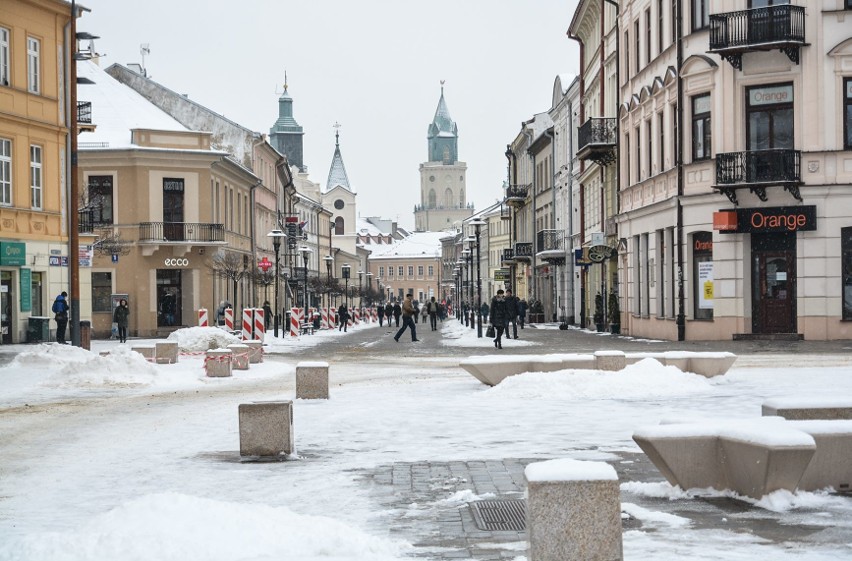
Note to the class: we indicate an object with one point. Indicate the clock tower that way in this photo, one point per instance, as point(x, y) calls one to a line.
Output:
point(443, 192)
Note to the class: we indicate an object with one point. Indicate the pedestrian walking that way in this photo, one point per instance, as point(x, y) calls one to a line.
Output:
point(407, 320)
point(120, 317)
point(397, 311)
point(432, 310)
point(511, 315)
point(499, 317)
point(343, 318)
point(60, 309)
point(381, 313)
point(388, 312)
point(267, 315)
point(522, 312)
point(483, 311)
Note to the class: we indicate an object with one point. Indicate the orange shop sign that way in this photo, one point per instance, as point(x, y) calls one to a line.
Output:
point(764, 220)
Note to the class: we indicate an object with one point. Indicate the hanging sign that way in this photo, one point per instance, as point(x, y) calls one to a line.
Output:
point(264, 264)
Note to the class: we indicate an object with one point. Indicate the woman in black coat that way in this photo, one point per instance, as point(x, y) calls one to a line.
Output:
point(499, 317)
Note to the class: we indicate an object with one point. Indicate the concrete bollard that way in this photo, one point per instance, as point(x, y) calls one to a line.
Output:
point(241, 356)
point(612, 361)
point(266, 428)
point(166, 352)
point(312, 380)
point(146, 351)
point(255, 351)
point(217, 363)
point(573, 511)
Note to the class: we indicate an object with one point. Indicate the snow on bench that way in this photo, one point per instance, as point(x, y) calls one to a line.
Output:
point(805, 408)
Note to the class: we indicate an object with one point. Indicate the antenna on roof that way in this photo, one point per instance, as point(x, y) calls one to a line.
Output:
point(144, 49)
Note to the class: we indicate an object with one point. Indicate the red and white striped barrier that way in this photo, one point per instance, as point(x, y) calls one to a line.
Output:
point(375, 315)
point(259, 324)
point(324, 318)
point(296, 317)
point(357, 313)
point(229, 319)
point(332, 318)
point(247, 324)
point(203, 320)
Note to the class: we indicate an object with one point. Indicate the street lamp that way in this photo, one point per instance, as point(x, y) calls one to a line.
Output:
point(470, 244)
point(466, 267)
point(276, 236)
point(389, 288)
point(477, 224)
point(360, 289)
point(369, 288)
point(459, 296)
point(345, 269)
point(328, 261)
point(306, 254)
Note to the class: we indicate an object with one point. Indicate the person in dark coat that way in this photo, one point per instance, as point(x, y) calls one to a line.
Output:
point(388, 312)
point(397, 311)
point(267, 315)
point(511, 314)
point(343, 318)
point(381, 313)
point(60, 308)
point(408, 315)
point(522, 312)
point(432, 309)
point(120, 317)
point(499, 317)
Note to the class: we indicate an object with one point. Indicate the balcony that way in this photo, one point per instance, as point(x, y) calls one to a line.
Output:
point(550, 246)
point(84, 117)
point(760, 29)
point(516, 195)
point(523, 251)
point(508, 256)
point(181, 232)
point(757, 170)
point(596, 141)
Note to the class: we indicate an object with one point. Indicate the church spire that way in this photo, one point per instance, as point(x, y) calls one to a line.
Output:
point(443, 134)
point(337, 172)
point(286, 134)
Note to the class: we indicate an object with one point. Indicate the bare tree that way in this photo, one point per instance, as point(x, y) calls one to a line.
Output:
point(109, 240)
point(231, 266)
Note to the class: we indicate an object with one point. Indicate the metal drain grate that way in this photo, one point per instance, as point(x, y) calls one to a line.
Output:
point(506, 515)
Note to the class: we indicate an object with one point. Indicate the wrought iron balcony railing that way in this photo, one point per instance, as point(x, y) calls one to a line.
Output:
point(758, 169)
point(517, 193)
point(84, 112)
point(508, 255)
point(549, 240)
point(596, 140)
point(523, 250)
point(181, 232)
point(759, 29)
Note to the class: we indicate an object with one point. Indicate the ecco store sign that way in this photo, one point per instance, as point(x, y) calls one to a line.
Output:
point(177, 262)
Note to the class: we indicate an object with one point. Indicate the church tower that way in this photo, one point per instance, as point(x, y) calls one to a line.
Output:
point(443, 193)
point(286, 135)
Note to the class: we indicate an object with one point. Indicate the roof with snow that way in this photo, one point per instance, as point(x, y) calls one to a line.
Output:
point(117, 109)
point(337, 173)
point(418, 244)
point(442, 123)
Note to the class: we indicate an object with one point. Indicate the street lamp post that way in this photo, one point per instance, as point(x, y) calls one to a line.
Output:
point(459, 295)
point(470, 242)
point(328, 261)
point(389, 288)
point(456, 290)
point(465, 287)
point(346, 269)
point(369, 276)
point(276, 236)
point(360, 289)
point(477, 224)
point(306, 254)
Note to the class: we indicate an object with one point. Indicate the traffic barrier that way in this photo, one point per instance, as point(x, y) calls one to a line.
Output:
point(296, 318)
point(229, 319)
point(203, 320)
point(259, 324)
point(357, 314)
point(323, 318)
point(332, 316)
point(375, 315)
point(248, 324)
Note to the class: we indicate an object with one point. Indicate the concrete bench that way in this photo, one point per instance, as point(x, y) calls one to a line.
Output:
point(217, 363)
point(805, 409)
point(241, 356)
point(166, 352)
point(831, 465)
point(266, 428)
point(573, 511)
point(493, 369)
point(146, 351)
point(748, 457)
point(312, 380)
point(255, 351)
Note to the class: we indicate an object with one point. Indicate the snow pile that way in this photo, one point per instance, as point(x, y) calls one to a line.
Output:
point(646, 379)
point(467, 496)
point(199, 339)
point(176, 527)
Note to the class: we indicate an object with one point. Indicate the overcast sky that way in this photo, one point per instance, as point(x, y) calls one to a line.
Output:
point(374, 66)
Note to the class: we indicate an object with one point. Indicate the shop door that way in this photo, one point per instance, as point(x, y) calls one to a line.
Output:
point(169, 303)
point(173, 210)
point(774, 283)
point(6, 306)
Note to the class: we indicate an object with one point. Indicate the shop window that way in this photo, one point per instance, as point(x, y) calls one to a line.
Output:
point(100, 199)
point(847, 102)
point(846, 265)
point(702, 274)
point(701, 127)
point(101, 292)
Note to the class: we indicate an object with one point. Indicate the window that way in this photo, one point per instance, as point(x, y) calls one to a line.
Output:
point(431, 271)
point(701, 127)
point(770, 117)
point(400, 271)
point(100, 199)
point(390, 272)
point(648, 36)
point(662, 250)
point(661, 130)
point(849, 4)
point(627, 157)
point(33, 65)
point(847, 101)
point(410, 271)
point(702, 274)
point(675, 124)
point(626, 55)
point(102, 292)
point(636, 40)
point(700, 15)
point(846, 266)
point(4, 56)
point(638, 138)
point(5, 171)
point(650, 153)
point(674, 19)
point(381, 271)
point(660, 27)
point(420, 271)
point(36, 181)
